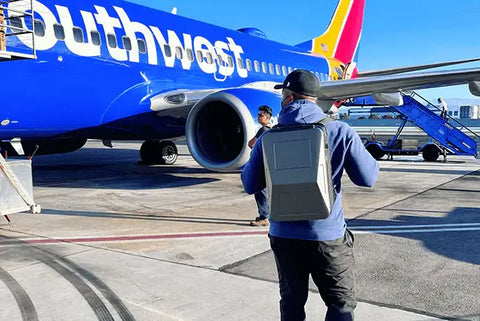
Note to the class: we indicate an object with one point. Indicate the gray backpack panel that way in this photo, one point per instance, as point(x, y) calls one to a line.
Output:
point(298, 173)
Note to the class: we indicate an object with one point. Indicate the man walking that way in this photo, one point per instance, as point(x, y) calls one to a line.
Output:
point(321, 248)
point(443, 107)
point(263, 118)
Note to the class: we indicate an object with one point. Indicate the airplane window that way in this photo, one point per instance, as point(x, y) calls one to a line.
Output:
point(95, 38)
point(256, 65)
point(78, 34)
point(141, 46)
point(39, 28)
point(240, 63)
point(220, 60)
point(127, 44)
point(199, 55)
point(189, 54)
point(270, 68)
point(59, 32)
point(230, 61)
point(278, 70)
point(209, 58)
point(179, 53)
point(284, 70)
point(168, 50)
point(290, 69)
point(112, 41)
point(16, 22)
point(264, 67)
point(249, 65)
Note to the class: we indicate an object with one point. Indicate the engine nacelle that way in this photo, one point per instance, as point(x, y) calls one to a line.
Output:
point(474, 87)
point(220, 125)
point(388, 99)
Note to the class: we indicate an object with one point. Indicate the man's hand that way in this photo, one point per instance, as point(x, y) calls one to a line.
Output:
point(251, 142)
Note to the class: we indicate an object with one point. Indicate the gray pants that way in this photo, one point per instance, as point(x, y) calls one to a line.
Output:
point(331, 265)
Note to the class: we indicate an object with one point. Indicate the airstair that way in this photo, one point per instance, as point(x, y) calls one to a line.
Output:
point(446, 132)
point(447, 135)
point(17, 30)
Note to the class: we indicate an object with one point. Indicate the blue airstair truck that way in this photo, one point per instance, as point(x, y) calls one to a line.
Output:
point(447, 136)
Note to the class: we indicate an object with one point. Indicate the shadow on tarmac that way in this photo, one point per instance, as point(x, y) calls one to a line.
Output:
point(429, 171)
point(455, 236)
point(120, 176)
point(157, 217)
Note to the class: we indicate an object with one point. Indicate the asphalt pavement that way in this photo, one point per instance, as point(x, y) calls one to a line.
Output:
point(120, 241)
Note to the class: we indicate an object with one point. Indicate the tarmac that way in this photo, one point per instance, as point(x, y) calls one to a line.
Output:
point(120, 241)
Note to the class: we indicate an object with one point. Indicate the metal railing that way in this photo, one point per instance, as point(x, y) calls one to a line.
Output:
point(17, 30)
point(448, 118)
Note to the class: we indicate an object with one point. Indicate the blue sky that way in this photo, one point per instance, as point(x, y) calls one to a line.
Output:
point(396, 33)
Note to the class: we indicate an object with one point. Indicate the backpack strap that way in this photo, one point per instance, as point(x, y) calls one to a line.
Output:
point(324, 121)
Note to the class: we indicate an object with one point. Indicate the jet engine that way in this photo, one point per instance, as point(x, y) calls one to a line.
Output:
point(220, 125)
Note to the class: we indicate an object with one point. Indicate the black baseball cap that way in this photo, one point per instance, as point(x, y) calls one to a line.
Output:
point(302, 82)
point(265, 109)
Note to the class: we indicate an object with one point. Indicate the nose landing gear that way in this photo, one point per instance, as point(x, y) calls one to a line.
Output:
point(158, 152)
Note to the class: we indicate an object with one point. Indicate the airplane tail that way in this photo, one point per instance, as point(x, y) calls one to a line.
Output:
point(341, 39)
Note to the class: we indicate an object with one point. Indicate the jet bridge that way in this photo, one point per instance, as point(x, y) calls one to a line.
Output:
point(448, 136)
point(17, 30)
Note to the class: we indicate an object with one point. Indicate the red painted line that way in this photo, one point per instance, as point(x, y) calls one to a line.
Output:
point(134, 238)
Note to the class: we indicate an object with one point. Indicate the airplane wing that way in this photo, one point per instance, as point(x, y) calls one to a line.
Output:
point(392, 71)
point(342, 89)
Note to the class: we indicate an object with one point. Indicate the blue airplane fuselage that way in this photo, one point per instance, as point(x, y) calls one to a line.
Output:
point(101, 87)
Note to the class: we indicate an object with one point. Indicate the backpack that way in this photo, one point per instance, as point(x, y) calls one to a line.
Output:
point(298, 172)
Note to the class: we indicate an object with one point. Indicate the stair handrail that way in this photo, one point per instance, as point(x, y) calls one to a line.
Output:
point(27, 10)
point(448, 118)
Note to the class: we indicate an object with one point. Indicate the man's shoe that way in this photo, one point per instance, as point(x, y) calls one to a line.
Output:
point(259, 222)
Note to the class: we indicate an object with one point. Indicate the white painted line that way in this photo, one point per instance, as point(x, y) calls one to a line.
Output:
point(411, 226)
point(406, 231)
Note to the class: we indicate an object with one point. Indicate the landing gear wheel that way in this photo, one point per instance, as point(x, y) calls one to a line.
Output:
point(154, 152)
point(168, 152)
point(147, 154)
point(375, 151)
point(430, 152)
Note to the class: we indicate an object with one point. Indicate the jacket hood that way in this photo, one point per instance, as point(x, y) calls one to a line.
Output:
point(300, 112)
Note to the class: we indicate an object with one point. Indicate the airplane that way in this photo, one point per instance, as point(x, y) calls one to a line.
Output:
point(113, 70)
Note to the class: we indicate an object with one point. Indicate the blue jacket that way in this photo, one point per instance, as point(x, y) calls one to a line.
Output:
point(347, 153)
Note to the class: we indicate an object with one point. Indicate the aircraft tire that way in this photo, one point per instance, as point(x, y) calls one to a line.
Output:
point(375, 151)
point(158, 153)
point(168, 152)
point(430, 152)
point(147, 152)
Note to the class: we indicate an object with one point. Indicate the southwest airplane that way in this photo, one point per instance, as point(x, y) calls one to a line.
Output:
point(112, 70)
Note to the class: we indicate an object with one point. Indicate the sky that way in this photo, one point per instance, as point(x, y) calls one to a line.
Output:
point(396, 33)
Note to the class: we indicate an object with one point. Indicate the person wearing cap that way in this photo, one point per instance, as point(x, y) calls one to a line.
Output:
point(263, 117)
point(320, 248)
